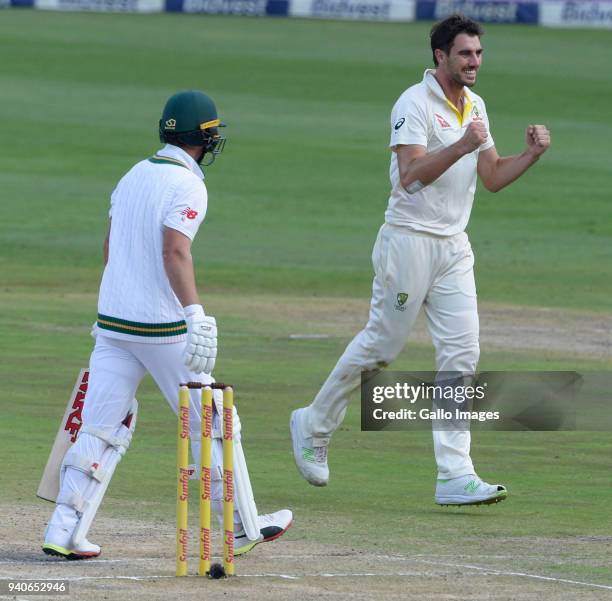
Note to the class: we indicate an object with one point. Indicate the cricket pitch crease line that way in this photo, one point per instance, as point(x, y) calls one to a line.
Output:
point(484, 571)
point(339, 555)
point(495, 572)
point(416, 558)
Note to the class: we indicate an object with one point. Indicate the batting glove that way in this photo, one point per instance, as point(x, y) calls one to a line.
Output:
point(201, 349)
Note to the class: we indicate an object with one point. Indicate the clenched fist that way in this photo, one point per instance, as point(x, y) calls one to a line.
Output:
point(538, 139)
point(475, 135)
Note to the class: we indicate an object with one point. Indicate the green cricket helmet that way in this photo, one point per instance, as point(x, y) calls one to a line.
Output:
point(190, 118)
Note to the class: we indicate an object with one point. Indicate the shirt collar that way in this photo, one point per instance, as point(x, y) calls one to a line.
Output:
point(433, 84)
point(174, 152)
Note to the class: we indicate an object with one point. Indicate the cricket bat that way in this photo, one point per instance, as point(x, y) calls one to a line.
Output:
point(70, 425)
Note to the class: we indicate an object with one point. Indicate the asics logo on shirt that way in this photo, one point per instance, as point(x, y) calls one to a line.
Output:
point(399, 123)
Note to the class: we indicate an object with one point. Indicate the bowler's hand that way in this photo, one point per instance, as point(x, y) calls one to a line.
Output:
point(475, 135)
point(538, 139)
point(201, 349)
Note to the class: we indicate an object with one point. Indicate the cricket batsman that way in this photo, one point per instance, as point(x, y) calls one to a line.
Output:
point(151, 320)
point(440, 143)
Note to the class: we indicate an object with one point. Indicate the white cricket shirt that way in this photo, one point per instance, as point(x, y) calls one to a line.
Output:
point(423, 115)
point(136, 301)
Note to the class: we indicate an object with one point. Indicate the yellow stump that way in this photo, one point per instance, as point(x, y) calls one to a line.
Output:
point(205, 481)
point(182, 485)
point(228, 481)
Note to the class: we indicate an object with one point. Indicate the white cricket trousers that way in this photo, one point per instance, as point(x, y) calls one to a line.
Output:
point(116, 369)
point(436, 273)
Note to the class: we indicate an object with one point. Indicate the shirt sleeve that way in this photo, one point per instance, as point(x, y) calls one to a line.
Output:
point(408, 122)
point(490, 142)
point(188, 208)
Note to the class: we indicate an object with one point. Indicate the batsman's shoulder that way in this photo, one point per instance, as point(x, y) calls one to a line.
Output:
point(191, 187)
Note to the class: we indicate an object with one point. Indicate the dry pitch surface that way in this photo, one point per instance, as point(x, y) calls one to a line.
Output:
point(138, 562)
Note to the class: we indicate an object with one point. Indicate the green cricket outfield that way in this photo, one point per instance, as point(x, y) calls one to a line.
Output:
point(282, 259)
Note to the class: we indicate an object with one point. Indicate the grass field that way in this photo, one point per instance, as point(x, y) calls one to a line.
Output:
point(295, 203)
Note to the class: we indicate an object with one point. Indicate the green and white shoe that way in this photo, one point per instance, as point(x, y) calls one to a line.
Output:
point(468, 490)
point(310, 453)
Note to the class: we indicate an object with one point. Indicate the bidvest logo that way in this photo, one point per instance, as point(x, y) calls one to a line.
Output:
point(584, 13)
point(365, 9)
point(480, 10)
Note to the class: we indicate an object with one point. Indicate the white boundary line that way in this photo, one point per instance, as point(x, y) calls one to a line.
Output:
point(414, 558)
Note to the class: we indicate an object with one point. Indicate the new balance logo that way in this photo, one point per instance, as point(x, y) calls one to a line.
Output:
point(189, 213)
point(308, 454)
point(471, 486)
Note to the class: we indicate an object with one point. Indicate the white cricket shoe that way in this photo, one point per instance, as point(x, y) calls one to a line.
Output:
point(271, 527)
point(58, 541)
point(310, 453)
point(468, 490)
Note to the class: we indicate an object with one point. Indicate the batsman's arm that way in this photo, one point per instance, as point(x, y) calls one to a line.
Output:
point(201, 348)
point(179, 266)
point(497, 172)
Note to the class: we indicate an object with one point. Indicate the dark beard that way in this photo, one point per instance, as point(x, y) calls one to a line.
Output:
point(201, 157)
point(459, 81)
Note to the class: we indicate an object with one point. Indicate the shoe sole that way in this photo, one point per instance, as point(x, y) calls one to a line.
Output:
point(296, 453)
point(278, 534)
point(246, 548)
point(452, 502)
point(67, 554)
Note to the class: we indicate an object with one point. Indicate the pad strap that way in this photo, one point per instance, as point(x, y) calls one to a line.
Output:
point(84, 464)
point(120, 440)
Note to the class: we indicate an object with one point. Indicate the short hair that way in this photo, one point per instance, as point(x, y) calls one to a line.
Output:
point(443, 34)
point(174, 139)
